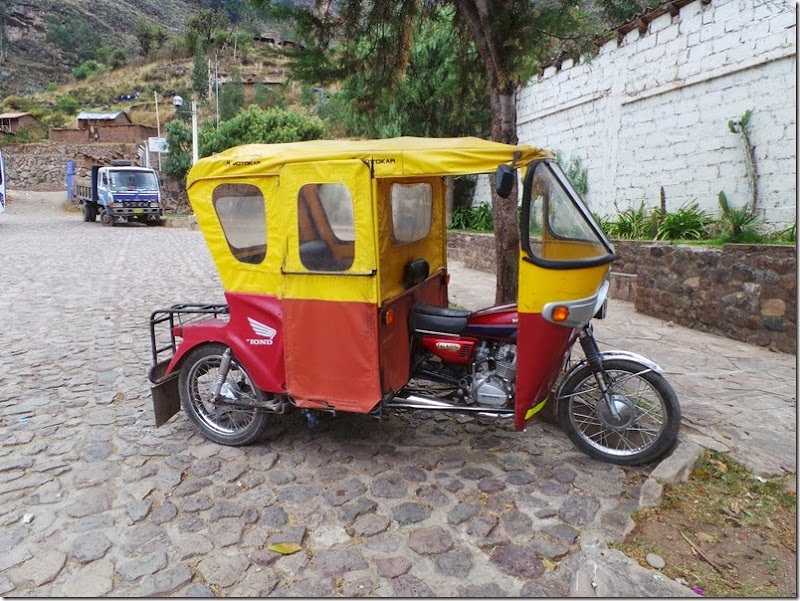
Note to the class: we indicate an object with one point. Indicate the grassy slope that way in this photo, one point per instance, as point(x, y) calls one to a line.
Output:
point(31, 63)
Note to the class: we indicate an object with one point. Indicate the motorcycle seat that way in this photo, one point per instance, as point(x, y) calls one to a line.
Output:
point(430, 318)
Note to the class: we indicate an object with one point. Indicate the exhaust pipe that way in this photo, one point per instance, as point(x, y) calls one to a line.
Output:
point(413, 401)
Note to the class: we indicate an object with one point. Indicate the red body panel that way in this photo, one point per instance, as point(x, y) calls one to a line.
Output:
point(332, 354)
point(254, 333)
point(451, 350)
point(395, 338)
point(542, 348)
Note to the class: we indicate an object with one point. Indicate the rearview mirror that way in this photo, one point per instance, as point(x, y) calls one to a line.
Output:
point(504, 181)
point(504, 177)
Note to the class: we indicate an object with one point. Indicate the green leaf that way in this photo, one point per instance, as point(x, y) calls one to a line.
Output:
point(285, 548)
point(746, 118)
point(723, 202)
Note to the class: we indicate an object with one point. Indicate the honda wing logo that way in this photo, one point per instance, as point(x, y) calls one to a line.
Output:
point(267, 333)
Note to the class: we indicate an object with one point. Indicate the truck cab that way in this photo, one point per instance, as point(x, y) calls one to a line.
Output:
point(121, 193)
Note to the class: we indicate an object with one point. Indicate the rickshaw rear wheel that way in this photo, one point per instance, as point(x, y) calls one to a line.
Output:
point(223, 423)
point(650, 415)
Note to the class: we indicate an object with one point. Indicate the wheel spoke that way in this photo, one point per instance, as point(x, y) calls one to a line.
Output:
point(638, 401)
point(219, 417)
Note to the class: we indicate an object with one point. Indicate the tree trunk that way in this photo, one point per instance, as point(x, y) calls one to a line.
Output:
point(476, 15)
point(506, 227)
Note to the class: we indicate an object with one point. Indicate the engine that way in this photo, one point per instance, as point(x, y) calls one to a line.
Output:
point(493, 375)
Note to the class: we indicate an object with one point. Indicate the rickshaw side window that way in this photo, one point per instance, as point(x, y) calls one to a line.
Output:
point(241, 212)
point(412, 205)
point(326, 227)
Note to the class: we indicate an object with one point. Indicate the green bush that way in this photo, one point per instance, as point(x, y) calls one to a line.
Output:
point(634, 224)
point(689, 222)
point(478, 218)
point(251, 126)
point(737, 225)
point(85, 69)
point(68, 105)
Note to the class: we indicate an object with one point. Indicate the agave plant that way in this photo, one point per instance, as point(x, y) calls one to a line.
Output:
point(738, 225)
point(689, 222)
point(634, 224)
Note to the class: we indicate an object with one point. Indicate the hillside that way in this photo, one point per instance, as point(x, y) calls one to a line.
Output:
point(28, 63)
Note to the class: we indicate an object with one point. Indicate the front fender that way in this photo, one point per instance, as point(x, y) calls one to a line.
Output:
point(607, 356)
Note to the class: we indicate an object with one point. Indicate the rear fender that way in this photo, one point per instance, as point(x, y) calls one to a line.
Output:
point(254, 334)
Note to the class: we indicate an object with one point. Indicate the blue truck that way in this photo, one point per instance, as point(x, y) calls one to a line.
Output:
point(121, 193)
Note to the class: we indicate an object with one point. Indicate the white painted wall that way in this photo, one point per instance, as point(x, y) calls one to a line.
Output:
point(653, 111)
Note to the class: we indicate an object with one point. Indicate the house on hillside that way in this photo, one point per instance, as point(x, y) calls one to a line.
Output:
point(87, 119)
point(92, 122)
point(102, 127)
point(648, 115)
point(11, 123)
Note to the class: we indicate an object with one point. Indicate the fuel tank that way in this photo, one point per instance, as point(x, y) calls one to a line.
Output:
point(494, 323)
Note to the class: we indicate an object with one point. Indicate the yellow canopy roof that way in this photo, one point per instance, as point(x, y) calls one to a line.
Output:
point(390, 157)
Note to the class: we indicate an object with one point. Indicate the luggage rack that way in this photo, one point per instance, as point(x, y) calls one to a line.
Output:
point(180, 314)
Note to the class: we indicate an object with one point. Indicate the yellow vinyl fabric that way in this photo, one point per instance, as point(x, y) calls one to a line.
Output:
point(280, 170)
point(356, 283)
point(390, 157)
point(395, 255)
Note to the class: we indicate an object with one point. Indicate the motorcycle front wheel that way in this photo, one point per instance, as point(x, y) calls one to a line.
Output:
point(649, 413)
point(223, 423)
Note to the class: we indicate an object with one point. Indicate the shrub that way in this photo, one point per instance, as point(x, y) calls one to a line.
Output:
point(86, 69)
point(737, 225)
point(68, 105)
point(634, 224)
point(689, 222)
point(478, 218)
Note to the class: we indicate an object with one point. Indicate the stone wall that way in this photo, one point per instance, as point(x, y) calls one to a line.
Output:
point(44, 166)
point(652, 109)
point(743, 292)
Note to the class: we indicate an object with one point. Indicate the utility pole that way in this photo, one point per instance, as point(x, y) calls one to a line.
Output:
point(216, 81)
point(209, 78)
point(158, 129)
point(195, 153)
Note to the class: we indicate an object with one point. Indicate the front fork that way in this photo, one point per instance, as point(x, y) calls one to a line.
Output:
point(592, 352)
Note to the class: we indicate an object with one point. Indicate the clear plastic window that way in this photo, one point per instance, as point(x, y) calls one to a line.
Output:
point(558, 228)
point(326, 227)
point(411, 211)
point(241, 212)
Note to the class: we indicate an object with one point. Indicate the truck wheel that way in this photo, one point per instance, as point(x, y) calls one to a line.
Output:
point(89, 214)
point(106, 218)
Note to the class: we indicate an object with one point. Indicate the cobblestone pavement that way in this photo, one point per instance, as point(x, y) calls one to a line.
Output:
point(95, 501)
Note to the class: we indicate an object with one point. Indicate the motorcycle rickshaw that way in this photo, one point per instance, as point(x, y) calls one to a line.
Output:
point(333, 257)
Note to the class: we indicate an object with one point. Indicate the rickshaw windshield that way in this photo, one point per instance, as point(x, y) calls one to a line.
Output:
point(557, 229)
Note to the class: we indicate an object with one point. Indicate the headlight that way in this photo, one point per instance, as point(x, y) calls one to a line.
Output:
point(154, 205)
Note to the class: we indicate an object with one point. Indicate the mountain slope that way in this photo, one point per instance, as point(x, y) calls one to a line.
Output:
point(28, 63)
